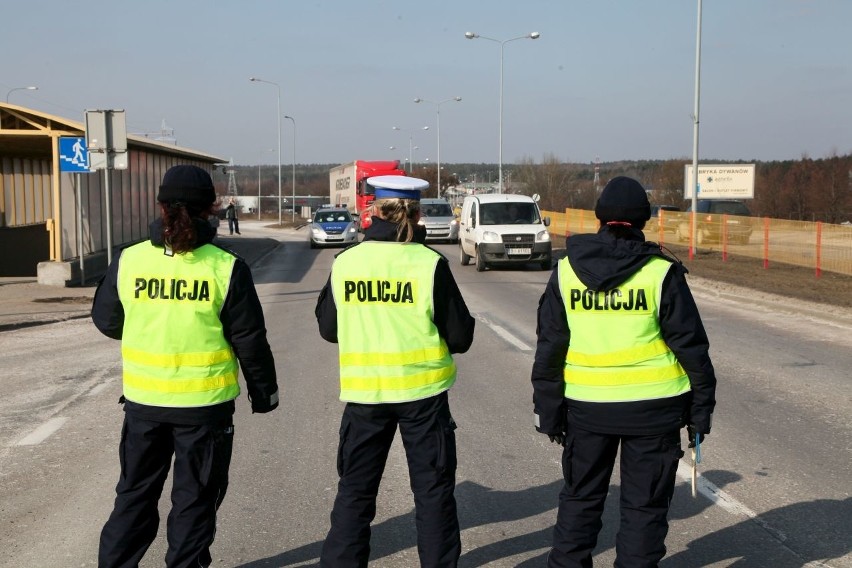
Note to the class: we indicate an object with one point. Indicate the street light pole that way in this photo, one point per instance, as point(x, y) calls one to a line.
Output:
point(472, 35)
point(410, 145)
point(258, 187)
point(293, 205)
point(694, 177)
point(438, 120)
point(20, 89)
point(278, 118)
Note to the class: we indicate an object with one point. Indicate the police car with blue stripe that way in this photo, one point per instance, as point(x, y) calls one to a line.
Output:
point(332, 226)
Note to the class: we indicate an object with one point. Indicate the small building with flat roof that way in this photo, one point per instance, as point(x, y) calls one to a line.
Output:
point(53, 224)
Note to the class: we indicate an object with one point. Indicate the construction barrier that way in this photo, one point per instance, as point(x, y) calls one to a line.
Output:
point(817, 245)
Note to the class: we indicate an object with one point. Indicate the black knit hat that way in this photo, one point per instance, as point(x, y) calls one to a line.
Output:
point(187, 184)
point(623, 200)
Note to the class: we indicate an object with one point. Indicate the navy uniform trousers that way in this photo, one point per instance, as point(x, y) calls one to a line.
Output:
point(366, 434)
point(648, 469)
point(202, 457)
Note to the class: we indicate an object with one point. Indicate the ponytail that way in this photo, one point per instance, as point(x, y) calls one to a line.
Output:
point(401, 212)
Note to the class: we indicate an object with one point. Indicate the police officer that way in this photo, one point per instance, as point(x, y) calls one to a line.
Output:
point(392, 305)
point(188, 317)
point(621, 361)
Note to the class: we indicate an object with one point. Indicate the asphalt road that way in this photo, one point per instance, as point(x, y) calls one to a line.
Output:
point(776, 475)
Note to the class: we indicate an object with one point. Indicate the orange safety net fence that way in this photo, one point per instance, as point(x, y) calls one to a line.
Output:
point(816, 245)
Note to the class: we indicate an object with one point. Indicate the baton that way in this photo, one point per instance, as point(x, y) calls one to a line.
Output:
point(696, 459)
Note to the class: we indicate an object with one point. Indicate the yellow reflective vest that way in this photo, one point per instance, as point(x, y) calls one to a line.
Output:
point(390, 349)
point(616, 351)
point(173, 350)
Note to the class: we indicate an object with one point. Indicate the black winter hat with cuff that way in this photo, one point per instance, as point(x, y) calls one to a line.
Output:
point(623, 200)
point(187, 184)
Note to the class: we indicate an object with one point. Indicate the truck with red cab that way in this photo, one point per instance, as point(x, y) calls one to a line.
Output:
point(348, 186)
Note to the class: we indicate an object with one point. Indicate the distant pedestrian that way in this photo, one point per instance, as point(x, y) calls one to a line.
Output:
point(231, 216)
point(394, 309)
point(621, 363)
point(188, 317)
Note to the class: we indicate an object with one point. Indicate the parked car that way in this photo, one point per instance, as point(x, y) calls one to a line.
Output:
point(440, 222)
point(670, 222)
point(708, 218)
point(332, 226)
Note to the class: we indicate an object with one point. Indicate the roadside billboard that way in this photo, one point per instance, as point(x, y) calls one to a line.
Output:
point(720, 181)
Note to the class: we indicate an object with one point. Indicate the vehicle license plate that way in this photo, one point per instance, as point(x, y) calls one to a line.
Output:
point(519, 251)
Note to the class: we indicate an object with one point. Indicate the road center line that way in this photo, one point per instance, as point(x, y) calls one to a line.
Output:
point(715, 494)
point(503, 333)
point(41, 433)
point(97, 390)
point(731, 505)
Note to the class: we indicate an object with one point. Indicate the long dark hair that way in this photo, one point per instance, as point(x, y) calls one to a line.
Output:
point(179, 231)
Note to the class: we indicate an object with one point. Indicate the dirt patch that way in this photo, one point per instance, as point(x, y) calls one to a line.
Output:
point(782, 279)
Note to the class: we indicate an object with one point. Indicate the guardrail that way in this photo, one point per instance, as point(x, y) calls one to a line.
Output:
point(816, 245)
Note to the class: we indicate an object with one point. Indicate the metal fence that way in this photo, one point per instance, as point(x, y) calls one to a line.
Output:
point(816, 245)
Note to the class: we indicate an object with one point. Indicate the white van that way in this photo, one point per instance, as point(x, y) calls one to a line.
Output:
point(503, 229)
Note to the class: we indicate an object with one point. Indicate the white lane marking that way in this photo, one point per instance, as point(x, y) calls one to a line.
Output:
point(716, 495)
point(731, 505)
point(502, 332)
point(41, 433)
point(97, 390)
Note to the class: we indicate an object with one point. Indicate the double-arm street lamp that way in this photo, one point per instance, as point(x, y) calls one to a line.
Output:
point(278, 118)
point(19, 89)
point(438, 112)
point(293, 205)
point(410, 145)
point(472, 35)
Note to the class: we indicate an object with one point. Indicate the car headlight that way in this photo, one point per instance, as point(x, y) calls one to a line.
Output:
point(352, 229)
point(317, 231)
point(542, 237)
point(490, 237)
point(453, 223)
point(422, 221)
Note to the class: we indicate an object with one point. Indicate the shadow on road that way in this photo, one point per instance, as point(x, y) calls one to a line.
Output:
point(786, 537)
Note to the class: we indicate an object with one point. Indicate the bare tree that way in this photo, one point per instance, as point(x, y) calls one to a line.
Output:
point(550, 180)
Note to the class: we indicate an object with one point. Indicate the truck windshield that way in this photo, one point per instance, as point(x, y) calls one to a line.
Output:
point(365, 188)
point(509, 213)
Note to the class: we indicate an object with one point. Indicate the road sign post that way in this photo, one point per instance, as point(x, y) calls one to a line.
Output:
point(106, 140)
point(74, 158)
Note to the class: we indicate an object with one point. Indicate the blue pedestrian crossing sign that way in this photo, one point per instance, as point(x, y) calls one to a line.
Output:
point(73, 155)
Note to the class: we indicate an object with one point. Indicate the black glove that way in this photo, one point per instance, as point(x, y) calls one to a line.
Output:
point(690, 433)
point(557, 438)
point(262, 405)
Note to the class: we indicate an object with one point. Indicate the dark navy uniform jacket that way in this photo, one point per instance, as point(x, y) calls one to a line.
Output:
point(242, 324)
point(603, 261)
point(450, 316)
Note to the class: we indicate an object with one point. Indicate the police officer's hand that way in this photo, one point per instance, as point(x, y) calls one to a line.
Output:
point(262, 405)
point(691, 430)
point(557, 438)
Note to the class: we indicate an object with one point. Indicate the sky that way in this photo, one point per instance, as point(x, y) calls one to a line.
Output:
point(606, 80)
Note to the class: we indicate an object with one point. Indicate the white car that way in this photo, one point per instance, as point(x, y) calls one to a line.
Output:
point(332, 226)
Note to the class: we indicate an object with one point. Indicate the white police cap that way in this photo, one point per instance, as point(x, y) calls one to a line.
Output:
point(402, 187)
